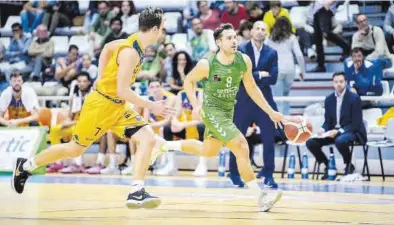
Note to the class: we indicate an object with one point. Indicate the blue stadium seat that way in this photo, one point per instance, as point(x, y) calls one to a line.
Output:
point(61, 45)
point(5, 41)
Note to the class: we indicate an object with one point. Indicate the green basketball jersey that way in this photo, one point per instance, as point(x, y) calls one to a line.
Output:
point(221, 86)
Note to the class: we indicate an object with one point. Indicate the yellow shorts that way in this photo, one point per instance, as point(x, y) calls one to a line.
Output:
point(100, 114)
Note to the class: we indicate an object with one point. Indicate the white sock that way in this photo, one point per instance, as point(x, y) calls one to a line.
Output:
point(173, 145)
point(29, 165)
point(78, 160)
point(254, 187)
point(131, 160)
point(136, 185)
point(113, 162)
point(100, 158)
point(203, 161)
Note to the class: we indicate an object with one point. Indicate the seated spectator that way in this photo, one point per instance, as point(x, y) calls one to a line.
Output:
point(276, 11)
point(20, 102)
point(234, 13)
point(255, 11)
point(244, 34)
point(67, 68)
point(323, 13)
point(210, 18)
point(181, 66)
point(370, 39)
point(200, 43)
point(366, 74)
point(342, 126)
point(16, 54)
point(100, 28)
point(166, 71)
point(41, 50)
point(32, 15)
point(151, 64)
point(60, 15)
point(129, 17)
point(88, 67)
point(389, 28)
point(117, 33)
point(183, 126)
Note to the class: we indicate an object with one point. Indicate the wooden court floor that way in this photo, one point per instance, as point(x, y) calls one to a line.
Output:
point(88, 200)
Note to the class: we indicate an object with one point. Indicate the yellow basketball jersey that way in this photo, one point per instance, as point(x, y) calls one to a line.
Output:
point(108, 83)
point(154, 117)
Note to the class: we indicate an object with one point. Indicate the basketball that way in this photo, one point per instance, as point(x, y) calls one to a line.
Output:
point(298, 132)
point(45, 116)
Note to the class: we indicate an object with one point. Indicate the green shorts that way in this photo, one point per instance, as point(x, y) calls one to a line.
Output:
point(219, 124)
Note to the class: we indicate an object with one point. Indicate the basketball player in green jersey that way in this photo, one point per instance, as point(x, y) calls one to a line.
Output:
point(221, 76)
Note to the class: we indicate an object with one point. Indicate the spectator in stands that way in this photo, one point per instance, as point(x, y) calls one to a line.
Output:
point(370, 39)
point(286, 44)
point(323, 13)
point(88, 67)
point(234, 13)
point(16, 54)
point(100, 28)
point(255, 11)
point(166, 72)
point(20, 102)
point(210, 18)
point(151, 65)
point(366, 74)
point(60, 15)
point(342, 126)
point(389, 28)
point(66, 68)
point(41, 50)
point(200, 42)
point(117, 33)
point(182, 64)
point(129, 18)
point(276, 11)
point(244, 32)
point(32, 14)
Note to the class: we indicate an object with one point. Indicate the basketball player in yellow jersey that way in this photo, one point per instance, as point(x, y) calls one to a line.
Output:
point(106, 109)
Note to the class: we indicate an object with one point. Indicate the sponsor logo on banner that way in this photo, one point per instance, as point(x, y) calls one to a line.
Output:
point(16, 143)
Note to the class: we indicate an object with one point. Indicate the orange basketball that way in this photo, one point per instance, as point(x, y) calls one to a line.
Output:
point(298, 132)
point(45, 117)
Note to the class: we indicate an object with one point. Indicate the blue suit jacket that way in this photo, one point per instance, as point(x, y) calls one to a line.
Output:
point(268, 62)
point(351, 115)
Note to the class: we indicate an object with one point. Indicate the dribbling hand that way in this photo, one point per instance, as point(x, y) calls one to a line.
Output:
point(278, 119)
point(160, 108)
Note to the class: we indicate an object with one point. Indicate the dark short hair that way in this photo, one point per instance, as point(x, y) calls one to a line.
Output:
point(275, 4)
point(117, 19)
point(357, 15)
point(356, 50)
point(71, 47)
point(149, 18)
point(246, 25)
point(170, 43)
point(337, 74)
point(217, 34)
point(84, 74)
point(16, 74)
point(14, 25)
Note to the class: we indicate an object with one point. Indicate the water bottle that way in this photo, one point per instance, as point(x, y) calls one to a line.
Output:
point(304, 170)
point(144, 87)
point(332, 169)
point(222, 163)
point(291, 169)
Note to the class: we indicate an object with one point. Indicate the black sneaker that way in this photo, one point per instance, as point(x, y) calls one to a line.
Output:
point(19, 176)
point(142, 199)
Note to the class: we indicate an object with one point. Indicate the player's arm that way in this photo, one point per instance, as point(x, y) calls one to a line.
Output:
point(3, 121)
point(106, 54)
point(33, 117)
point(127, 60)
point(199, 72)
point(253, 91)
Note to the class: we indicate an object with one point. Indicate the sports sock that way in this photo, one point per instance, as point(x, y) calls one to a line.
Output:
point(137, 185)
point(113, 160)
point(100, 158)
point(29, 165)
point(254, 187)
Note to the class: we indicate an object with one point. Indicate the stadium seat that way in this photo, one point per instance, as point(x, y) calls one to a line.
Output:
point(180, 41)
point(69, 31)
point(172, 22)
point(298, 15)
point(83, 6)
point(6, 30)
point(371, 116)
point(61, 45)
point(5, 41)
point(345, 15)
point(386, 87)
point(81, 42)
point(167, 6)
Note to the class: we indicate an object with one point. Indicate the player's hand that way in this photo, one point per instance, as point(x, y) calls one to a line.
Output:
point(160, 108)
point(196, 113)
point(278, 119)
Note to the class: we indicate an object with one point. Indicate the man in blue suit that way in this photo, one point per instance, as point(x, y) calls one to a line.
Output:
point(343, 124)
point(265, 73)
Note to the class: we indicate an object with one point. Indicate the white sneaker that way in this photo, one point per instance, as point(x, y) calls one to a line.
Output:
point(168, 170)
point(128, 170)
point(268, 199)
point(201, 170)
point(110, 171)
point(156, 152)
point(311, 53)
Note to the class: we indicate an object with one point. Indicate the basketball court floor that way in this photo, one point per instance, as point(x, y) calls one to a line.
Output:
point(186, 200)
